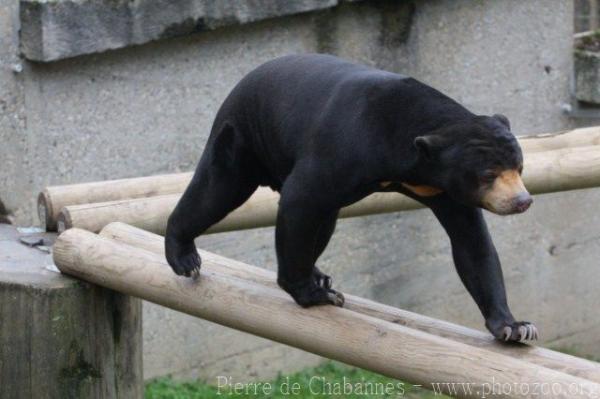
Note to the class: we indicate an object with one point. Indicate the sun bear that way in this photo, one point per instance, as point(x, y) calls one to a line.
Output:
point(325, 133)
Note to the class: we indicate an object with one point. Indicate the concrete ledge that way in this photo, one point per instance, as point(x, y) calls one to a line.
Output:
point(57, 29)
point(587, 76)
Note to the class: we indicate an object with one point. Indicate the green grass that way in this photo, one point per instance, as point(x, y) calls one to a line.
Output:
point(325, 381)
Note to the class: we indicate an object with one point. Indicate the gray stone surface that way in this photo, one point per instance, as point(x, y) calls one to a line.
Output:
point(12, 112)
point(52, 30)
point(496, 57)
point(587, 76)
point(148, 109)
point(23, 265)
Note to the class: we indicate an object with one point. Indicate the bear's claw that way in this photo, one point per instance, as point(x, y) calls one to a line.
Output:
point(336, 298)
point(313, 292)
point(322, 279)
point(183, 259)
point(519, 332)
point(188, 265)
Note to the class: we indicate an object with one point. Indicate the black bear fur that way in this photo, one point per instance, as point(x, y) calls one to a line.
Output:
point(326, 133)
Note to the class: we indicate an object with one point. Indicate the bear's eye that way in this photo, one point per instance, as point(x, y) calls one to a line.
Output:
point(488, 176)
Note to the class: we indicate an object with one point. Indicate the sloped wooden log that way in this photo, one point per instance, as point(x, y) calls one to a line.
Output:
point(336, 333)
point(543, 357)
point(548, 171)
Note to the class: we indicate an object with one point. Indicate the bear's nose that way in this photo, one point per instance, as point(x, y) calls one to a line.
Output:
point(522, 202)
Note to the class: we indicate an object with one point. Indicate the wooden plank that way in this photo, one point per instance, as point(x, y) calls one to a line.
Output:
point(337, 333)
point(547, 171)
point(543, 357)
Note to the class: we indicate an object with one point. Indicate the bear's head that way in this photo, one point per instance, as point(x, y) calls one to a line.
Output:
point(478, 162)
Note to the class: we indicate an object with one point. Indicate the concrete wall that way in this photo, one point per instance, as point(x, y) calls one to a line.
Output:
point(148, 109)
point(13, 182)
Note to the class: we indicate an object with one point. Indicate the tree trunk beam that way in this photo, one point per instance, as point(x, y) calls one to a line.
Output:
point(547, 171)
point(543, 357)
point(54, 198)
point(337, 333)
point(581, 137)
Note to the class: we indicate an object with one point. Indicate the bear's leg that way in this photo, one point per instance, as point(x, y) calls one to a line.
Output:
point(299, 222)
point(324, 235)
point(479, 268)
point(224, 179)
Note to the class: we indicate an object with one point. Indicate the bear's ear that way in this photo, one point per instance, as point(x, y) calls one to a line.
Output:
point(502, 119)
point(428, 146)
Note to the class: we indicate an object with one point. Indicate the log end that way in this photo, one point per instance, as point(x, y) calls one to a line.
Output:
point(45, 211)
point(66, 252)
point(63, 221)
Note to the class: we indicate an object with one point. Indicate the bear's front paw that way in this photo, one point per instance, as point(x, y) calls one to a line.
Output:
point(516, 331)
point(183, 258)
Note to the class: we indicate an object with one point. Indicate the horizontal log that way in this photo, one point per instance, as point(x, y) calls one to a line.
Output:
point(548, 171)
point(54, 198)
point(259, 211)
point(543, 357)
point(562, 170)
point(151, 213)
point(582, 137)
point(337, 333)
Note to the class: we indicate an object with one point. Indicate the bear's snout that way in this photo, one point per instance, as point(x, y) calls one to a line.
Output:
point(522, 202)
point(507, 195)
point(508, 205)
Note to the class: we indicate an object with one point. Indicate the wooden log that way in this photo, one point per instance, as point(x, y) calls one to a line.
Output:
point(543, 357)
point(147, 213)
point(259, 211)
point(54, 198)
point(548, 171)
point(582, 137)
point(336, 333)
point(562, 170)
